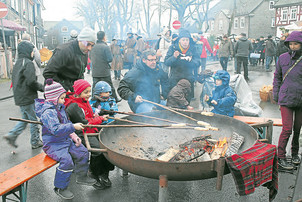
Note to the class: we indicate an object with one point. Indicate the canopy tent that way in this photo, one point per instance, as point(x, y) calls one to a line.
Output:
point(12, 25)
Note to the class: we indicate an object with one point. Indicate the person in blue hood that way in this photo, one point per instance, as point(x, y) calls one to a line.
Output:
point(224, 97)
point(59, 140)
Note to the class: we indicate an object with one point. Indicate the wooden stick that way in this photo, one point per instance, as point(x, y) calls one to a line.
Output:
point(129, 121)
point(171, 110)
point(27, 121)
point(146, 116)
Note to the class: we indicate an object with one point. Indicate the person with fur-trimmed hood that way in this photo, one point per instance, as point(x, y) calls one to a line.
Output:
point(182, 58)
point(178, 96)
point(224, 97)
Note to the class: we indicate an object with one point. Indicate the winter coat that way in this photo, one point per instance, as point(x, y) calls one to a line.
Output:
point(109, 105)
point(24, 79)
point(260, 49)
point(66, 65)
point(129, 52)
point(225, 49)
point(181, 68)
point(178, 97)
point(270, 48)
point(224, 95)
point(289, 92)
point(117, 60)
point(281, 48)
point(56, 128)
point(143, 81)
point(163, 46)
point(205, 45)
point(80, 111)
point(243, 47)
point(100, 57)
point(140, 46)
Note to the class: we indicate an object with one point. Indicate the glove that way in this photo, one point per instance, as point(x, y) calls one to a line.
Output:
point(96, 120)
point(76, 139)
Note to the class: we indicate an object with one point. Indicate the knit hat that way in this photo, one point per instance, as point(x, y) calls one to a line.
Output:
point(87, 34)
point(101, 87)
point(80, 85)
point(184, 33)
point(53, 91)
point(174, 36)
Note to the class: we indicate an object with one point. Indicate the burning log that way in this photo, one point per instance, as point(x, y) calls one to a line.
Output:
point(219, 149)
point(168, 155)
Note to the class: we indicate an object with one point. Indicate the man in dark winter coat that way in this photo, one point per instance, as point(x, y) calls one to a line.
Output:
point(69, 60)
point(145, 81)
point(242, 50)
point(270, 52)
point(183, 58)
point(25, 87)
point(100, 57)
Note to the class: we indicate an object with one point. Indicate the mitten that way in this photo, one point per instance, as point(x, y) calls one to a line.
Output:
point(76, 139)
point(96, 120)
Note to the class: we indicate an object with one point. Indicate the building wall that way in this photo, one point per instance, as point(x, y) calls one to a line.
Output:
point(283, 19)
point(220, 25)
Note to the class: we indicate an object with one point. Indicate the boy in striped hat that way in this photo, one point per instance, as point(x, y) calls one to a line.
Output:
point(59, 140)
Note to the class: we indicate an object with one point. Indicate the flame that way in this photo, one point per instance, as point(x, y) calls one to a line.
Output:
point(222, 143)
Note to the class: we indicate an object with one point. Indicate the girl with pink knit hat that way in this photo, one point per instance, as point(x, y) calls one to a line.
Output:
point(79, 110)
point(59, 140)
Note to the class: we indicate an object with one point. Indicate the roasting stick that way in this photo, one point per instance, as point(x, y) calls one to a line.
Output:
point(146, 116)
point(174, 126)
point(201, 123)
point(129, 121)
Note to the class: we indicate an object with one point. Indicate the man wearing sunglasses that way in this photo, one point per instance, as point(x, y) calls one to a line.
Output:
point(146, 81)
point(69, 60)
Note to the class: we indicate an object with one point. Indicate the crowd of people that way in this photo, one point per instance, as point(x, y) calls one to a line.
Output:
point(164, 74)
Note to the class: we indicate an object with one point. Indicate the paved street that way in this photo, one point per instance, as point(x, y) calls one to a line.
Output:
point(135, 188)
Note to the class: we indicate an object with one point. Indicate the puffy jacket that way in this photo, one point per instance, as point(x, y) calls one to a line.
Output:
point(109, 104)
point(25, 84)
point(66, 65)
point(100, 57)
point(225, 49)
point(143, 81)
point(56, 127)
point(179, 95)
point(243, 47)
point(224, 95)
point(289, 92)
point(181, 68)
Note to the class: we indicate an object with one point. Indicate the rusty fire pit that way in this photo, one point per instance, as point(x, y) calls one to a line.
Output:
point(132, 149)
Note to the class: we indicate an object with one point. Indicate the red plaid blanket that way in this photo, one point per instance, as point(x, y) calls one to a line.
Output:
point(254, 167)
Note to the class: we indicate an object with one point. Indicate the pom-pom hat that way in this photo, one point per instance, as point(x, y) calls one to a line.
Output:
point(53, 91)
point(80, 85)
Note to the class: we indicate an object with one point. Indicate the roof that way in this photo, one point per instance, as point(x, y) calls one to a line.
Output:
point(51, 24)
point(245, 7)
point(222, 5)
point(282, 3)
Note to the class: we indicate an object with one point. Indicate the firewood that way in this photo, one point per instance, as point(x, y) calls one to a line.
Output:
point(168, 155)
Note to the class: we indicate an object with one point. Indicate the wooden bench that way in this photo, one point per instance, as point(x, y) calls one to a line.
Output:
point(263, 126)
point(16, 178)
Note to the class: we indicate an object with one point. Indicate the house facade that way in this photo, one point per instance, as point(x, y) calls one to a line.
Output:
point(58, 32)
point(255, 18)
point(288, 12)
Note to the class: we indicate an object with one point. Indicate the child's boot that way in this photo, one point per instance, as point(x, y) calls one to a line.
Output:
point(64, 193)
point(85, 180)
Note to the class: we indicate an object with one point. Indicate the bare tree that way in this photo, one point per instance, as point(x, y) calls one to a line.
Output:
point(124, 13)
point(181, 6)
point(148, 15)
point(199, 13)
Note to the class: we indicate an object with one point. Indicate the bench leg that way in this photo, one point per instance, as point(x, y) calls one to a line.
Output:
point(23, 192)
point(22, 189)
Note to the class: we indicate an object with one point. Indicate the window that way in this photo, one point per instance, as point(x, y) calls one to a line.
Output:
point(220, 25)
point(242, 22)
point(284, 14)
point(235, 23)
point(54, 40)
point(30, 12)
point(271, 5)
point(64, 29)
point(293, 14)
point(273, 22)
point(65, 39)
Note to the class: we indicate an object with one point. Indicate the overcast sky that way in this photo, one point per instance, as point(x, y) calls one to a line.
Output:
point(56, 10)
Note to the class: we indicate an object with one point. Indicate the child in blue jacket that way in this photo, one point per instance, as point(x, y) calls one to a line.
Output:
point(224, 97)
point(101, 100)
point(59, 140)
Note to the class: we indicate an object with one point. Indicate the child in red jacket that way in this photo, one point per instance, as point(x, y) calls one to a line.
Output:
point(79, 110)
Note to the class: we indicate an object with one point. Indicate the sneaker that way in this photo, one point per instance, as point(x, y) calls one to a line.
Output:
point(64, 193)
point(105, 179)
point(284, 164)
point(85, 180)
point(296, 159)
point(99, 185)
point(37, 145)
point(10, 140)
